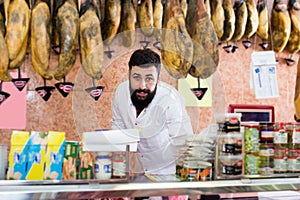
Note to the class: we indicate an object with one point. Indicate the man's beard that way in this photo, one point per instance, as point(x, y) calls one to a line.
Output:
point(140, 104)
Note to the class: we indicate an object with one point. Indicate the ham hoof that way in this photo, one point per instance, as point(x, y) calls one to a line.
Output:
point(264, 45)
point(289, 61)
point(228, 48)
point(247, 44)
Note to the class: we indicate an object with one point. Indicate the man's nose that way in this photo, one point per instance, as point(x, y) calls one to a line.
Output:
point(142, 84)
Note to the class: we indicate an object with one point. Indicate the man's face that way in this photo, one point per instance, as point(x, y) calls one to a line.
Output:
point(143, 81)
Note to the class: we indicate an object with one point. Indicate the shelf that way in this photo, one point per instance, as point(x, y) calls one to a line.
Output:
point(137, 188)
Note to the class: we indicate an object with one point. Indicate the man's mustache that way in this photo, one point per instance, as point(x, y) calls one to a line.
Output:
point(142, 90)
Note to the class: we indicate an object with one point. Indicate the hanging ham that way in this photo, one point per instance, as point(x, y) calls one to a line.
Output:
point(127, 27)
point(263, 22)
point(68, 32)
point(145, 17)
point(40, 38)
point(111, 21)
point(17, 31)
point(217, 17)
point(252, 20)
point(280, 25)
point(91, 46)
point(229, 22)
point(205, 40)
point(297, 94)
point(293, 45)
point(4, 73)
point(241, 14)
point(157, 19)
point(177, 45)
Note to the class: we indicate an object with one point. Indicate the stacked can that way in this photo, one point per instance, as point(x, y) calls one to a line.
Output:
point(280, 148)
point(251, 148)
point(266, 148)
point(293, 155)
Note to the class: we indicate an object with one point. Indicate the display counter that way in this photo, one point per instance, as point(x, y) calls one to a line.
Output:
point(138, 187)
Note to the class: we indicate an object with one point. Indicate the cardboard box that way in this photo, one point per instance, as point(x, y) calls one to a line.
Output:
point(36, 155)
point(54, 155)
point(18, 155)
point(71, 156)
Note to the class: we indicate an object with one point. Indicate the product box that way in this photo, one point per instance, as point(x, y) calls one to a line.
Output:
point(71, 158)
point(18, 155)
point(86, 165)
point(36, 155)
point(54, 155)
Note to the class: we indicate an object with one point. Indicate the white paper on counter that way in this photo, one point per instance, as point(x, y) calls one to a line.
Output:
point(263, 75)
point(111, 140)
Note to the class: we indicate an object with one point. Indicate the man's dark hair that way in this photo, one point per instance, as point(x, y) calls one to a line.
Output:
point(145, 58)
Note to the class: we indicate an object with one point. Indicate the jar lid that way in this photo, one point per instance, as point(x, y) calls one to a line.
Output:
point(266, 123)
point(262, 141)
point(103, 157)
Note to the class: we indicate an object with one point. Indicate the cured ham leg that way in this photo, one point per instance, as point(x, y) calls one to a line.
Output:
point(252, 22)
point(145, 17)
point(157, 19)
point(229, 24)
point(17, 29)
point(4, 74)
point(263, 22)
point(127, 27)
point(111, 21)
point(68, 32)
point(91, 46)
point(217, 17)
point(40, 38)
point(177, 46)
point(297, 94)
point(241, 14)
point(293, 45)
point(280, 25)
point(205, 40)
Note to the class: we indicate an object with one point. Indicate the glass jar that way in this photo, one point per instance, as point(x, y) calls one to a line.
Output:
point(293, 152)
point(266, 158)
point(266, 131)
point(102, 166)
point(251, 138)
point(119, 165)
point(280, 148)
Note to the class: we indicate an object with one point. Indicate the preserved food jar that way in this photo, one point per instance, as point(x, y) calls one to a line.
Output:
point(119, 165)
point(251, 164)
point(266, 131)
point(293, 154)
point(266, 157)
point(280, 148)
point(251, 138)
point(102, 166)
point(230, 165)
point(230, 144)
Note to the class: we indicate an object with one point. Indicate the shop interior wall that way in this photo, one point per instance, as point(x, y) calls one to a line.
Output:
point(78, 112)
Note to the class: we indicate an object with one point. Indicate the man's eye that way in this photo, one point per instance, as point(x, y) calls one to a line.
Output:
point(136, 78)
point(149, 79)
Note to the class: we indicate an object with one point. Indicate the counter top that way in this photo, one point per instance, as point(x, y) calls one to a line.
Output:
point(85, 189)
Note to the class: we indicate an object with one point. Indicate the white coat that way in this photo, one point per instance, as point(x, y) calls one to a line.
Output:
point(163, 126)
